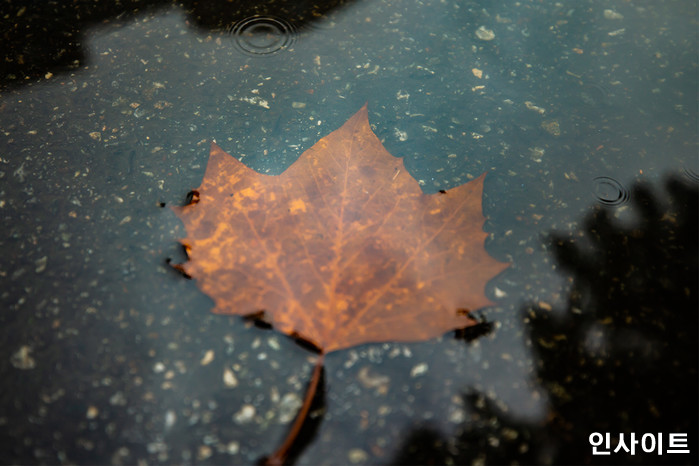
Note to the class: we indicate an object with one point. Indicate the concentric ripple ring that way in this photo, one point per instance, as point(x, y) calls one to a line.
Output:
point(691, 174)
point(263, 35)
point(609, 191)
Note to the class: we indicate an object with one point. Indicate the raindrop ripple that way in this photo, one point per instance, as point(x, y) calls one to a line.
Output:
point(263, 35)
point(608, 191)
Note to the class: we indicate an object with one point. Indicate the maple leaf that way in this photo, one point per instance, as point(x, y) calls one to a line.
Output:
point(341, 249)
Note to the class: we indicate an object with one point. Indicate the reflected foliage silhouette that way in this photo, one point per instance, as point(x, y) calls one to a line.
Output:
point(42, 37)
point(622, 356)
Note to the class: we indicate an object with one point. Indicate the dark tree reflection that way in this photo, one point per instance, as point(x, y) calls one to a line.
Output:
point(38, 37)
point(622, 356)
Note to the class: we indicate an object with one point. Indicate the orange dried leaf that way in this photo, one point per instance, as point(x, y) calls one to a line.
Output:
point(343, 248)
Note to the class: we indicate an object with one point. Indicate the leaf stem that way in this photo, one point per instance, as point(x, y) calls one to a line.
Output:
point(280, 455)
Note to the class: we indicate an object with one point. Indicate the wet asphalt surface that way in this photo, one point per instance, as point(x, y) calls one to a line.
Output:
point(585, 120)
